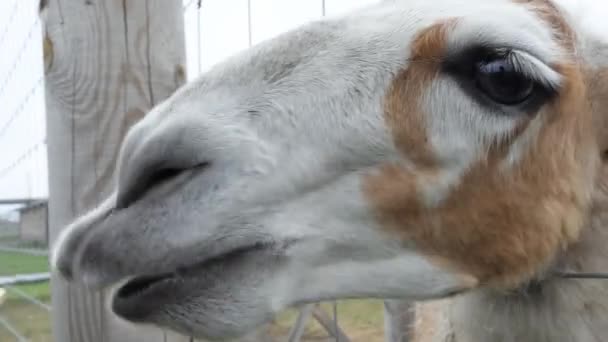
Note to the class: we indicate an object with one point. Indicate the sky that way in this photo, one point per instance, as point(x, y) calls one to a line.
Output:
point(220, 29)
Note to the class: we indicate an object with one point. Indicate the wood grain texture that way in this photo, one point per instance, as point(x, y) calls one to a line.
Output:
point(107, 63)
point(398, 320)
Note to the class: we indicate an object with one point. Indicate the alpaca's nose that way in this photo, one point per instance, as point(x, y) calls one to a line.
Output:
point(67, 245)
point(148, 178)
point(153, 157)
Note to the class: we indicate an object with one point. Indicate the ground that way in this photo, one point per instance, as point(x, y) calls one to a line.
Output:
point(362, 320)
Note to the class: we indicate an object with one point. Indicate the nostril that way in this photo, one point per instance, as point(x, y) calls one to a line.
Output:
point(162, 176)
point(149, 181)
point(144, 183)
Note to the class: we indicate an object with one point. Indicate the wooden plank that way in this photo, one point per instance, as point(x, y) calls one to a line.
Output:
point(106, 64)
point(398, 320)
point(297, 331)
point(329, 324)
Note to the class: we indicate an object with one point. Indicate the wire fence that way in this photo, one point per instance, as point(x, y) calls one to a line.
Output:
point(22, 118)
point(21, 297)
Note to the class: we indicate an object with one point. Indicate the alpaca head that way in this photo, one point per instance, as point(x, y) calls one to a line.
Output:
point(414, 149)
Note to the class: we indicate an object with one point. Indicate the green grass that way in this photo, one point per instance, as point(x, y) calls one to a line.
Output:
point(32, 321)
point(16, 242)
point(18, 263)
point(40, 291)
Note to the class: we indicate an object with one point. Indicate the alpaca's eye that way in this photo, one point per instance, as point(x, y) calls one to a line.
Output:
point(502, 80)
point(499, 80)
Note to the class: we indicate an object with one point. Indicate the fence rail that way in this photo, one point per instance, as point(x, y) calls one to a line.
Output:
point(30, 251)
point(23, 279)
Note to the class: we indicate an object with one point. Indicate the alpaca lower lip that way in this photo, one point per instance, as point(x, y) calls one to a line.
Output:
point(138, 297)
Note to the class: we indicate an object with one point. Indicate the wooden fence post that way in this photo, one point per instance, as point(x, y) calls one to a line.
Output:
point(398, 319)
point(106, 64)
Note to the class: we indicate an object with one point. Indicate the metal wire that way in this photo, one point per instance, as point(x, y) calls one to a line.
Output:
point(21, 43)
point(582, 275)
point(21, 106)
point(21, 159)
point(185, 8)
point(6, 80)
point(9, 23)
point(12, 330)
point(29, 298)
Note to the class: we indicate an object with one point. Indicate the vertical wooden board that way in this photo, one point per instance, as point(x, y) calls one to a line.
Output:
point(272, 17)
point(299, 327)
point(399, 317)
point(107, 64)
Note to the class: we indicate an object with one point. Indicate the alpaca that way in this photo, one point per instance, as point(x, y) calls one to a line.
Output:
point(448, 152)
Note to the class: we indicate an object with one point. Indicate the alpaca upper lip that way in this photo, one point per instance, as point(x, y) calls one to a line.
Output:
point(141, 283)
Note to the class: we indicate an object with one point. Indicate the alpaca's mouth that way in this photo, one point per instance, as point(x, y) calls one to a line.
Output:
point(139, 298)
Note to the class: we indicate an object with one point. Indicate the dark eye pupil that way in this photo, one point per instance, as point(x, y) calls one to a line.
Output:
point(499, 80)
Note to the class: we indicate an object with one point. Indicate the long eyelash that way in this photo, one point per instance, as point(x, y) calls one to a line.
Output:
point(460, 66)
point(523, 61)
point(534, 69)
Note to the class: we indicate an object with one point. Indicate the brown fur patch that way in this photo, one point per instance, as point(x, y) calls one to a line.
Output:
point(403, 114)
point(598, 88)
point(588, 254)
point(501, 227)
